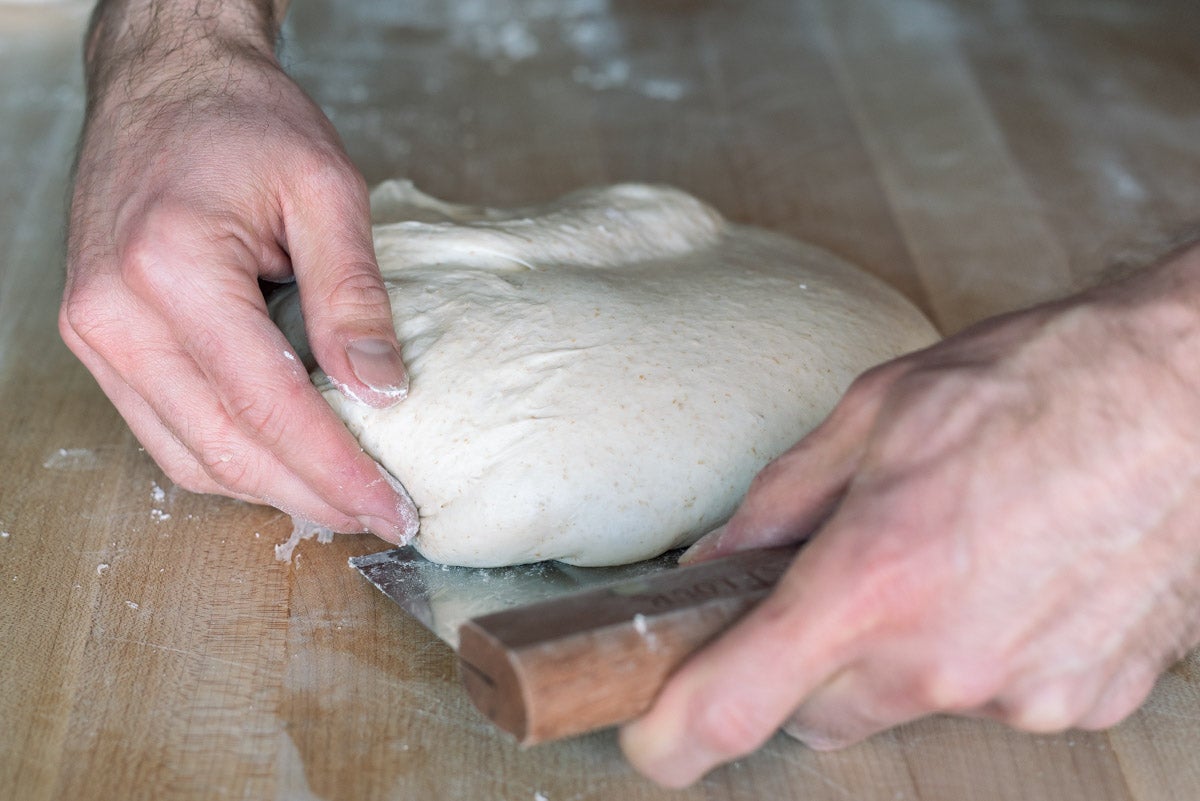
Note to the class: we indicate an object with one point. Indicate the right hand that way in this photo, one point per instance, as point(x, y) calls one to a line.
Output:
point(1003, 525)
point(194, 181)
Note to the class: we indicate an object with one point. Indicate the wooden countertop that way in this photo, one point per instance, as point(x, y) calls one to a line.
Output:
point(978, 155)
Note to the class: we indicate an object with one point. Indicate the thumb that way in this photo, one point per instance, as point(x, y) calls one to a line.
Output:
point(793, 495)
point(347, 313)
point(787, 500)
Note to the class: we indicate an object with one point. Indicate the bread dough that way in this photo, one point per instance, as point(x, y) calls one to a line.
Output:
point(598, 379)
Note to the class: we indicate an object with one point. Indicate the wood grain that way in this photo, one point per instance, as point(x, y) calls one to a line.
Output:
point(977, 155)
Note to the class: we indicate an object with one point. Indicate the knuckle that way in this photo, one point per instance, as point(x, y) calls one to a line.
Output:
point(358, 289)
point(265, 416)
point(1044, 711)
point(141, 265)
point(779, 474)
point(190, 478)
point(875, 380)
point(148, 252)
point(1105, 716)
point(81, 316)
point(956, 686)
point(229, 467)
point(1120, 701)
point(328, 169)
point(223, 463)
point(179, 465)
point(1111, 712)
point(1136, 691)
point(90, 303)
point(767, 476)
point(866, 393)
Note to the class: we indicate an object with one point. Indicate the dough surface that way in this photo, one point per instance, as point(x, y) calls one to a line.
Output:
point(597, 380)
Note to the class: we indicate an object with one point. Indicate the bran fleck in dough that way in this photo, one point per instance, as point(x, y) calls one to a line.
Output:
point(598, 379)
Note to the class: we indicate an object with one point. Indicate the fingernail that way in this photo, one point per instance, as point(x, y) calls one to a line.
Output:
point(377, 364)
point(408, 518)
point(384, 529)
point(402, 530)
point(703, 548)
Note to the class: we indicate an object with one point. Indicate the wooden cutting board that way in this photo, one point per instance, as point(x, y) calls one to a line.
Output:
point(979, 156)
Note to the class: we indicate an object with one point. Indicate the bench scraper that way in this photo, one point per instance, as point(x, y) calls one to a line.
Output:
point(549, 650)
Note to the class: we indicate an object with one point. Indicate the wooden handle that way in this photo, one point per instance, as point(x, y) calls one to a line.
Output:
point(598, 658)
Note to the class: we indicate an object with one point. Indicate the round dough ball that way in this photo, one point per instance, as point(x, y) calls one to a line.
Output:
point(597, 380)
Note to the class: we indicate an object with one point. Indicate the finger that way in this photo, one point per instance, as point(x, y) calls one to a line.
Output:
point(894, 682)
point(1120, 698)
point(790, 497)
point(347, 313)
point(1045, 709)
point(182, 461)
point(164, 448)
point(1059, 690)
point(1093, 698)
point(851, 707)
point(274, 404)
point(217, 312)
point(732, 696)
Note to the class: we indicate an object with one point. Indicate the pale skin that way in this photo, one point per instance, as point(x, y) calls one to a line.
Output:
point(203, 168)
point(1003, 525)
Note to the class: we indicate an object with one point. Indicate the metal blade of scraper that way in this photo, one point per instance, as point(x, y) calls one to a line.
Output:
point(443, 597)
point(549, 651)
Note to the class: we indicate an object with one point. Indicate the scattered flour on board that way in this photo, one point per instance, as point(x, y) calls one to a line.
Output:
point(601, 45)
point(301, 530)
point(158, 496)
point(506, 33)
point(617, 74)
point(84, 459)
point(662, 89)
point(490, 34)
point(72, 459)
point(606, 76)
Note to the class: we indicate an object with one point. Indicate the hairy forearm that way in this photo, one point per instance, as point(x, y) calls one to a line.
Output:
point(129, 40)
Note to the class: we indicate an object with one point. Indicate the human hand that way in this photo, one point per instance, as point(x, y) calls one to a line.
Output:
point(203, 168)
point(1007, 526)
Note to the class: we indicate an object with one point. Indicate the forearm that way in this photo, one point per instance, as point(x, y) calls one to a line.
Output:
point(129, 41)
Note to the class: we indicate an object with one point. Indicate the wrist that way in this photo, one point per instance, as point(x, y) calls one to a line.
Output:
point(136, 48)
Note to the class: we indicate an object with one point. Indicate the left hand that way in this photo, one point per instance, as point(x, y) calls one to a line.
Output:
point(1011, 530)
point(204, 168)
